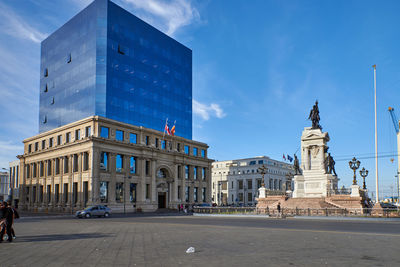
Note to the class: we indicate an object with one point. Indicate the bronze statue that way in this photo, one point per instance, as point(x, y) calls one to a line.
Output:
point(314, 116)
point(296, 165)
point(330, 163)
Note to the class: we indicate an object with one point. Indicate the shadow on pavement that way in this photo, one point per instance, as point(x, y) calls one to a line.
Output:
point(57, 237)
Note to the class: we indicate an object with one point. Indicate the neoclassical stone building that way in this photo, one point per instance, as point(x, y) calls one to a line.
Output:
point(102, 161)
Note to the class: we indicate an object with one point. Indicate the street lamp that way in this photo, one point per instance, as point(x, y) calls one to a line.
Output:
point(364, 173)
point(354, 164)
point(129, 177)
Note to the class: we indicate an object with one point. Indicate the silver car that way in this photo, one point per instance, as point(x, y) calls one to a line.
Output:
point(98, 210)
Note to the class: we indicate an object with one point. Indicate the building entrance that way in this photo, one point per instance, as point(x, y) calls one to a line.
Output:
point(162, 200)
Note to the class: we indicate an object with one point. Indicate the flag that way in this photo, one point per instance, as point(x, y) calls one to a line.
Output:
point(283, 155)
point(173, 130)
point(289, 158)
point(166, 128)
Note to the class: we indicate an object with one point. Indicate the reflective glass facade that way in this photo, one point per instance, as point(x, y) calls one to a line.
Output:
point(107, 62)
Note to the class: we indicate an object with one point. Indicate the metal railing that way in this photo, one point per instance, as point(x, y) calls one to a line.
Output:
point(285, 212)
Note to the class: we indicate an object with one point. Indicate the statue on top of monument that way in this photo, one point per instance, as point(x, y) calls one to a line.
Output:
point(314, 116)
point(296, 166)
point(330, 164)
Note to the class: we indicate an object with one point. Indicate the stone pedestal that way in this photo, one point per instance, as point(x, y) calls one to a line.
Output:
point(261, 192)
point(314, 181)
point(355, 191)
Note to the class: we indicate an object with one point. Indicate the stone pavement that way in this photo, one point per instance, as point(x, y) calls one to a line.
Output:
point(163, 240)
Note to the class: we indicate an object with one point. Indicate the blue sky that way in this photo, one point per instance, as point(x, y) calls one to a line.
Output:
point(258, 67)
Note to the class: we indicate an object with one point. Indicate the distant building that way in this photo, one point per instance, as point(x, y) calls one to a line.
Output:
point(102, 161)
point(236, 182)
point(107, 62)
point(14, 182)
point(4, 186)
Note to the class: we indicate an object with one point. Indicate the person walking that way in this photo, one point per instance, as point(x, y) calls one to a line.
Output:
point(279, 209)
point(8, 217)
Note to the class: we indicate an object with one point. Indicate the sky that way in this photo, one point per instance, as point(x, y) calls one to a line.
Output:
point(258, 67)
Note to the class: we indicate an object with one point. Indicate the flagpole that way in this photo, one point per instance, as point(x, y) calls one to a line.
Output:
point(376, 140)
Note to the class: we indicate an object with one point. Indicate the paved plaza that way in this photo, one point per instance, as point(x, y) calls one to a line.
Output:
point(218, 241)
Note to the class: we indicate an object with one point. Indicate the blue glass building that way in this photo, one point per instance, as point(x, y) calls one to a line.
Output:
point(107, 62)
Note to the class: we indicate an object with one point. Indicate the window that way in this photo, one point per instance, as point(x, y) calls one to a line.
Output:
point(57, 193)
point(203, 194)
point(132, 193)
point(132, 165)
point(59, 140)
point(186, 172)
point(57, 169)
point(163, 144)
point(147, 191)
point(43, 144)
point(195, 194)
point(119, 196)
point(119, 135)
point(85, 161)
point(103, 192)
point(147, 140)
point(156, 142)
point(28, 171)
point(30, 148)
point(119, 162)
point(147, 168)
point(249, 184)
point(240, 196)
point(88, 131)
point(51, 140)
point(104, 132)
point(179, 171)
point(66, 164)
point(65, 193)
point(253, 162)
point(46, 72)
point(104, 161)
point(187, 189)
point(203, 153)
point(250, 197)
point(76, 164)
point(161, 174)
point(203, 173)
point(195, 151)
point(36, 146)
point(67, 137)
point(48, 167)
point(77, 134)
point(187, 150)
point(195, 173)
point(258, 183)
point(74, 193)
point(261, 162)
point(132, 138)
point(179, 192)
point(41, 168)
point(240, 183)
point(178, 147)
point(41, 194)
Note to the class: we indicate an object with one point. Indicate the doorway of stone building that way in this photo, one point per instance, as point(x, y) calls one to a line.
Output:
point(162, 198)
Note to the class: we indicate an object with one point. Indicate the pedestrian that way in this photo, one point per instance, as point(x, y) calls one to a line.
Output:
point(15, 216)
point(8, 217)
point(279, 208)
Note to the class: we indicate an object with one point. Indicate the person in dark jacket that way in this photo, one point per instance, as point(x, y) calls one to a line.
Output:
point(8, 215)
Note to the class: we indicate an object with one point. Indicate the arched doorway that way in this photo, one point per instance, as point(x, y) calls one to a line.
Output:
point(164, 180)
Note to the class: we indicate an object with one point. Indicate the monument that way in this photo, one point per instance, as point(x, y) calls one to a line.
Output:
point(316, 176)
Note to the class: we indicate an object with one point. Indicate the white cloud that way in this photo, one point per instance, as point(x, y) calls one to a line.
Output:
point(166, 15)
point(206, 111)
point(8, 152)
point(13, 25)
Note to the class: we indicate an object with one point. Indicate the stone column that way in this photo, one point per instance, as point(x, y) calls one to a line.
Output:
point(94, 177)
point(153, 185)
point(141, 187)
point(175, 186)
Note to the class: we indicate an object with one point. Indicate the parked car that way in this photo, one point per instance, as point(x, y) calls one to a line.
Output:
point(388, 206)
point(98, 210)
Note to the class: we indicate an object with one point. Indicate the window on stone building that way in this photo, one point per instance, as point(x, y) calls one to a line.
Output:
point(57, 193)
point(34, 194)
point(195, 192)
point(41, 168)
point(103, 192)
point(186, 172)
point(147, 168)
point(203, 194)
point(76, 165)
point(88, 131)
point(133, 138)
point(41, 194)
point(36, 146)
point(29, 148)
point(74, 193)
point(51, 142)
point(49, 167)
point(195, 173)
point(65, 193)
point(240, 197)
point(240, 184)
point(178, 147)
point(179, 171)
point(85, 161)
point(187, 150)
point(203, 153)
point(249, 184)
point(59, 140)
point(258, 183)
point(48, 191)
point(250, 197)
point(104, 132)
point(119, 189)
point(104, 161)
point(224, 185)
point(119, 135)
point(43, 144)
point(147, 191)
point(187, 191)
point(132, 165)
point(57, 167)
point(203, 173)
point(147, 140)
point(195, 151)
point(156, 142)
point(34, 170)
point(77, 134)
point(67, 138)
point(28, 171)
point(132, 193)
point(119, 162)
point(66, 167)
point(163, 144)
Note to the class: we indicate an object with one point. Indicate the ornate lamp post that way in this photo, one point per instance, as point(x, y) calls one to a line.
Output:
point(354, 165)
point(263, 170)
point(364, 173)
